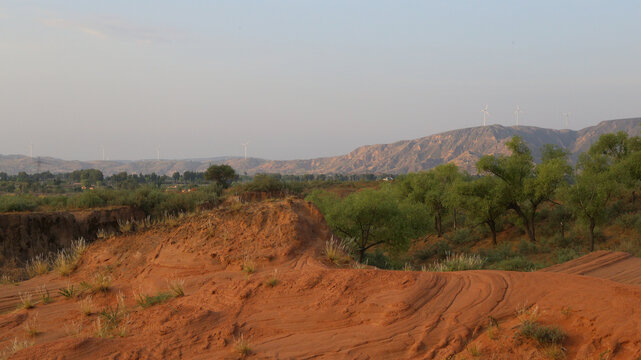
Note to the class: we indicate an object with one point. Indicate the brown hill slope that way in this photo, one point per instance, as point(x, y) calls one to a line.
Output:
point(315, 310)
point(463, 147)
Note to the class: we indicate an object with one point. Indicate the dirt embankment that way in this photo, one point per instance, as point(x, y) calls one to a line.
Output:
point(27, 234)
point(314, 310)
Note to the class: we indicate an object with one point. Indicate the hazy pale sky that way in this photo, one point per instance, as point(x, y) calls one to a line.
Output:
point(300, 79)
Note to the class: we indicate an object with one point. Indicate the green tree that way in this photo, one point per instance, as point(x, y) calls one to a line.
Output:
point(431, 188)
point(222, 174)
point(593, 188)
point(481, 200)
point(524, 185)
point(175, 176)
point(371, 218)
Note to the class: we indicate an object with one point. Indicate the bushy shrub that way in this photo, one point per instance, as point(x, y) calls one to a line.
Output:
point(518, 263)
point(9, 203)
point(439, 250)
point(628, 220)
point(525, 247)
point(501, 252)
point(544, 335)
point(462, 236)
point(378, 259)
point(566, 254)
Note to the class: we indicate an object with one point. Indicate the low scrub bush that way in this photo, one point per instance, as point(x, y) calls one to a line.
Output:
point(525, 247)
point(518, 263)
point(438, 250)
point(563, 255)
point(502, 251)
point(462, 237)
point(544, 335)
point(145, 301)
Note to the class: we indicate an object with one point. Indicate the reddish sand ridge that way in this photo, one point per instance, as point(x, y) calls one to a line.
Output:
point(316, 310)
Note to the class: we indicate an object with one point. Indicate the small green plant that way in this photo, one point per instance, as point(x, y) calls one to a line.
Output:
point(273, 279)
point(459, 262)
point(408, 267)
point(544, 335)
point(38, 265)
point(176, 288)
point(68, 292)
point(566, 311)
point(26, 301)
point(145, 301)
point(242, 346)
point(31, 325)
point(112, 316)
point(45, 297)
point(248, 266)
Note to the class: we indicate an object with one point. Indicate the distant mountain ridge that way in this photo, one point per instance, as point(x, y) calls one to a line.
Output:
point(462, 147)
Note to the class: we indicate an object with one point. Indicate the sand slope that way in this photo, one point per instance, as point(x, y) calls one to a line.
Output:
point(316, 310)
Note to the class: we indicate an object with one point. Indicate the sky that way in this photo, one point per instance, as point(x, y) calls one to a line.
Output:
point(302, 79)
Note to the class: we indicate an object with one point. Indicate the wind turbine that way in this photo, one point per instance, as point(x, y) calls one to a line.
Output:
point(567, 116)
point(245, 146)
point(103, 153)
point(31, 149)
point(517, 112)
point(485, 114)
point(158, 153)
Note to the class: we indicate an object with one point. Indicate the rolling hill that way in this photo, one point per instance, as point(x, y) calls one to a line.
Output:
point(462, 147)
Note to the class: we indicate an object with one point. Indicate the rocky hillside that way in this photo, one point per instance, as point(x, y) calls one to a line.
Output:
point(462, 147)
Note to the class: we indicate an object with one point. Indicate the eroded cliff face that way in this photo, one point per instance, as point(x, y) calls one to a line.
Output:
point(28, 234)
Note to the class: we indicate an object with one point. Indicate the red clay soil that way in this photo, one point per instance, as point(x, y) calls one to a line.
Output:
point(316, 310)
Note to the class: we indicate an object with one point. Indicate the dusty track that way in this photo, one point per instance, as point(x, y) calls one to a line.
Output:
point(316, 311)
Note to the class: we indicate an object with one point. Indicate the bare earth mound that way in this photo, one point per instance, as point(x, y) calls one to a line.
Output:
point(314, 310)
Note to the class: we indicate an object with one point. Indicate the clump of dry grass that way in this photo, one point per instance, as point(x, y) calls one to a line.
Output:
point(242, 346)
point(74, 328)
point(38, 265)
point(474, 350)
point(31, 325)
point(273, 279)
point(66, 260)
point(86, 306)
point(104, 234)
point(248, 266)
point(336, 251)
point(26, 301)
point(457, 262)
point(101, 283)
point(15, 346)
